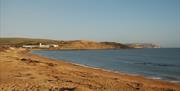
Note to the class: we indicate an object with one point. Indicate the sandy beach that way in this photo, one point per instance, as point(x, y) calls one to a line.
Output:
point(22, 71)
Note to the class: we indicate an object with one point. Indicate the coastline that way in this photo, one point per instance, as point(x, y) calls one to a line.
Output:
point(98, 68)
point(58, 75)
point(113, 71)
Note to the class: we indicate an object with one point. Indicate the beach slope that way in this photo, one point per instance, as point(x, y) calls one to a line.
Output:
point(22, 71)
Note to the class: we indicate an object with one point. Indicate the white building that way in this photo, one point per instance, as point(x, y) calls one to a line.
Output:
point(43, 46)
point(30, 46)
point(54, 45)
point(40, 46)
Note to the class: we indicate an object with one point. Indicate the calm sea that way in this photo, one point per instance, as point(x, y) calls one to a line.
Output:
point(162, 63)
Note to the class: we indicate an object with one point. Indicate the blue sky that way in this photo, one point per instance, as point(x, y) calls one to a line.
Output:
point(125, 21)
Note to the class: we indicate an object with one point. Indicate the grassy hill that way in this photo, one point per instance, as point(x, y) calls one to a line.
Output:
point(25, 41)
point(75, 44)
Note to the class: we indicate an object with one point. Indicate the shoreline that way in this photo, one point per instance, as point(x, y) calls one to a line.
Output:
point(20, 69)
point(118, 72)
point(129, 74)
point(113, 71)
point(124, 73)
point(97, 68)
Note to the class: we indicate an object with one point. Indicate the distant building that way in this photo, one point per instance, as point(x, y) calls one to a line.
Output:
point(40, 46)
point(43, 46)
point(54, 45)
point(30, 46)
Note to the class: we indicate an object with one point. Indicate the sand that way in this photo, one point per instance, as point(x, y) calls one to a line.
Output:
point(22, 71)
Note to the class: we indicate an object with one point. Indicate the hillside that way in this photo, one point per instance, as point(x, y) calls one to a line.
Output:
point(75, 44)
point(21, 41)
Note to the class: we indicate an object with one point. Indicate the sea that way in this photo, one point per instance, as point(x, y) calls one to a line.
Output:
point(155, 63)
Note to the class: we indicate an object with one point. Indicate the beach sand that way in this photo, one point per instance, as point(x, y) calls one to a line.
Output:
point(22, 71)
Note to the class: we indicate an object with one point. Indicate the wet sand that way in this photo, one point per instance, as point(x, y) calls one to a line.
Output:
point(22, 71)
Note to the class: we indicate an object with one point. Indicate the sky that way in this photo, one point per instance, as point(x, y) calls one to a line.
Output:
point(124, 21)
